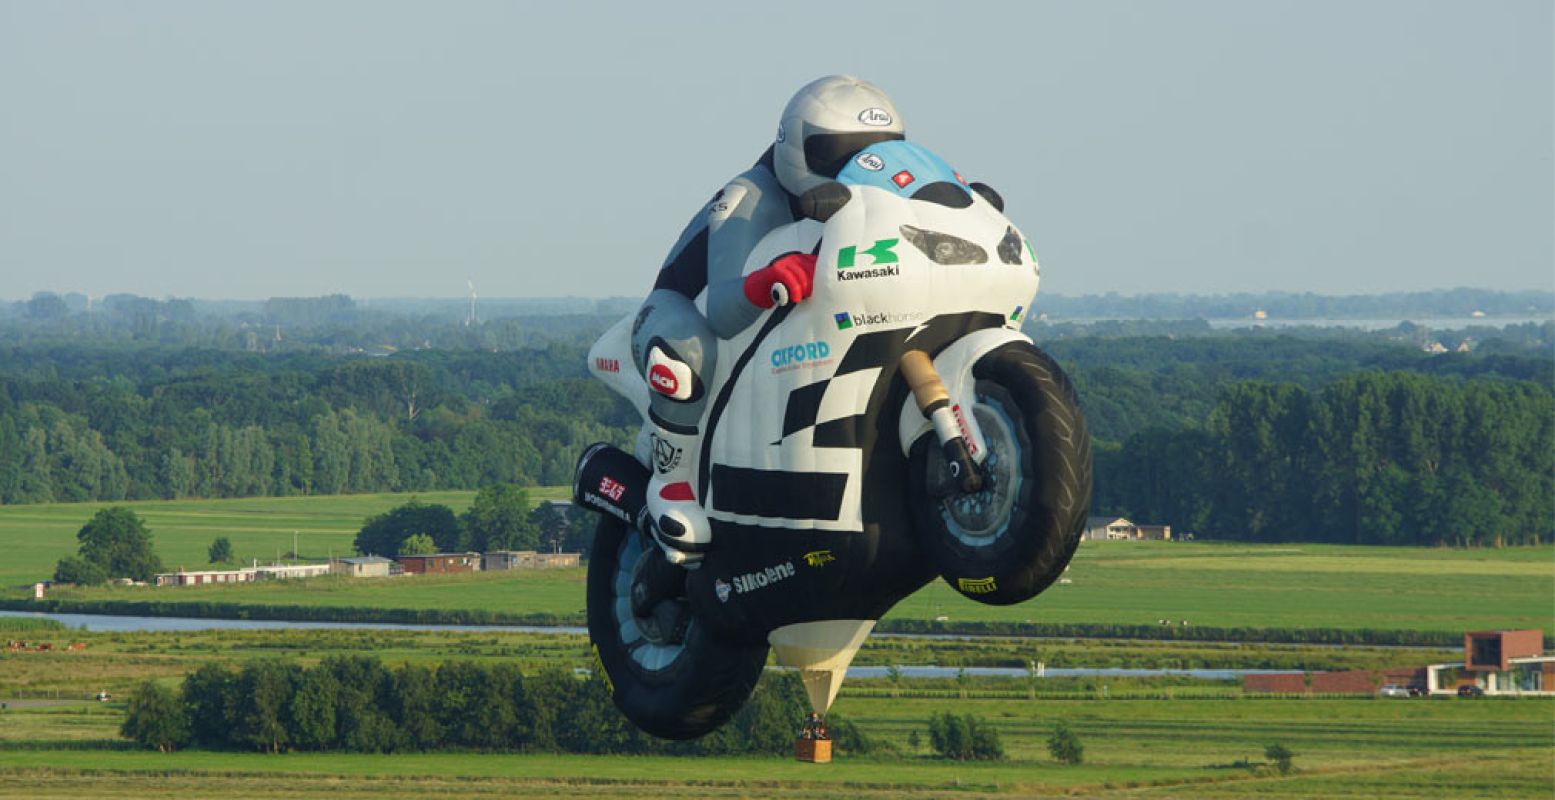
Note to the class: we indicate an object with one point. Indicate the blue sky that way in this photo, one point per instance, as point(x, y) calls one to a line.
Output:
point(244, 150)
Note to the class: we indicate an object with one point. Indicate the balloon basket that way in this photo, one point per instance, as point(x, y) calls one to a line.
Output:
point(813, 751)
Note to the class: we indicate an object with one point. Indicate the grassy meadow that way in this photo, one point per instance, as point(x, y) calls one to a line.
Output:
point(1154, 738)
point(1218, 584)
point(1359, 748)
point(116, 661)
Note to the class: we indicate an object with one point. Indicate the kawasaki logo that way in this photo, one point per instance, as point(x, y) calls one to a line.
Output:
point(879, 253)
point(751, 581)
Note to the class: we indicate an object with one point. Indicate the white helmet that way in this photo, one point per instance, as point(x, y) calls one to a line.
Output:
point(825, 124)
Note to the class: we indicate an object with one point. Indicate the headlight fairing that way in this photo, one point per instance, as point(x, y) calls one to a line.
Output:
point(944, 249)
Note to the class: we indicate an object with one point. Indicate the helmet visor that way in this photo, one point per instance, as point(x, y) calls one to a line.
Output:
point(826, 154)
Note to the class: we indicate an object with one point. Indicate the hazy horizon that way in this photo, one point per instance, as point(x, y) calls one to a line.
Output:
point(396, 150)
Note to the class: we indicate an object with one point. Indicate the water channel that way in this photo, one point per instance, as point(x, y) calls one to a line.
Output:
point(106, 623)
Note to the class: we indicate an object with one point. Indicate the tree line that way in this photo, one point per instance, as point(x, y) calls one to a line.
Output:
point(500, 518)
point(1392, 458)
point(96, 419)
point(358, 704)
point(306, 425)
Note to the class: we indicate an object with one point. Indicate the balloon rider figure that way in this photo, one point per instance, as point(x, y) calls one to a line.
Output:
point(674, 346)
point(814, 727)
point(813, 744)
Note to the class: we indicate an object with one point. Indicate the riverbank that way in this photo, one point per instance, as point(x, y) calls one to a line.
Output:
point(144, 615)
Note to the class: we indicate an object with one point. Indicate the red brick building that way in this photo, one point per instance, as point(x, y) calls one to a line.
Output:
point(440, 563)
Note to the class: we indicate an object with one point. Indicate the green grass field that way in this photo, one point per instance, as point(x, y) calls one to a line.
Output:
point(1183, 748)
point(1187, 747)
point(1205, 583)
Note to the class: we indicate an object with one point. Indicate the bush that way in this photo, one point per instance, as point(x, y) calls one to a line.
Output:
point(220, 551)
point(1065, 745)
point(79, 571)
point(965, 738)
point(1281, 756)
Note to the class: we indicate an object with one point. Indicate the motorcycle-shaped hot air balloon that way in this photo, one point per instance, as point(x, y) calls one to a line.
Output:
point(894, 426)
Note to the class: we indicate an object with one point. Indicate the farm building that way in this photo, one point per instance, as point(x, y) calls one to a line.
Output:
point(527, 559)
point(1100, 529)
point(440, 563)
point(1118, 529)
point(284, 571)
point(362, 566)
point(245, 575)
point(1154, 533)
point(1494, 662)
point(204, 577)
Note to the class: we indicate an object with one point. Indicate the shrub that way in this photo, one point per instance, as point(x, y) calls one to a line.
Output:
point(1065, 745)
point(79, 571)
point(965, 738)
point(1281, 756)
point(220, 551)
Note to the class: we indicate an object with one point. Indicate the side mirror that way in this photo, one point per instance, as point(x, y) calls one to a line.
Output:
point(823, 201)
point(990, 195)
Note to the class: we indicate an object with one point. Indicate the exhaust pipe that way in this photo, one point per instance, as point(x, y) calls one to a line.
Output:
point(611, 481)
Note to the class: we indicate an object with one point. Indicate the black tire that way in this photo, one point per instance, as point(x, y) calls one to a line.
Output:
point(1007, 543)
point(671, 691)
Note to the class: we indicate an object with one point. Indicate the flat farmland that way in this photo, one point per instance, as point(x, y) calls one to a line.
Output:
point(1216, 584)
point(1358, 748)
point(34, 537)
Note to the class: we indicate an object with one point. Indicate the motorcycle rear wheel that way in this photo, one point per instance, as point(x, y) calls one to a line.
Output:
point(673, 690)
point(1011, 540)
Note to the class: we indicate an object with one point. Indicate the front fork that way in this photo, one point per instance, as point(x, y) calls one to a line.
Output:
point(956, 440)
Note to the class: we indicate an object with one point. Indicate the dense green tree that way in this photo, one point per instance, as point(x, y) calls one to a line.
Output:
point(118, 542)
point(311, 718)
point(34, 483)
point(499, 519)
point(10, 460)
point(265, 690)
point(383, 534)
point(475, 705)
point(220, 551)
point(79, 571)
point(417, 544)
point(362, 722)
point(210, 696)
point(155, 718)
point(416, 705)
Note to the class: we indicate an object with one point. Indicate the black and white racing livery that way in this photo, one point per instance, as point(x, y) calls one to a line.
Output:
point(828, 494)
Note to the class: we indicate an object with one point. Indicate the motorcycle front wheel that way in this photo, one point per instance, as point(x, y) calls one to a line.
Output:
point(671, 689)
point(1009, 541)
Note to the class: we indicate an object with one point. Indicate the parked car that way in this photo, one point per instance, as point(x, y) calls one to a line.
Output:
point(1470, 690)
point(1393, 690)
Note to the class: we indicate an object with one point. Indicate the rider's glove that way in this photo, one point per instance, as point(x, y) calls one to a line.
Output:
point(788, 279)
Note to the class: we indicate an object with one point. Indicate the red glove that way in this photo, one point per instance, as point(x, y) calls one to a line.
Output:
point(788, 279)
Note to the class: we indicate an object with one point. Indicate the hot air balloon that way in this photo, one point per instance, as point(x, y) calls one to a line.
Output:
point(894, 427)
